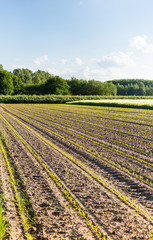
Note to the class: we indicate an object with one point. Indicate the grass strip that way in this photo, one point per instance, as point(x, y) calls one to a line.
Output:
point(50, 98)
point(124, 199)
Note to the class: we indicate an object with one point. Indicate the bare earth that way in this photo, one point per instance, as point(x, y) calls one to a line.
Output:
point(114, 144)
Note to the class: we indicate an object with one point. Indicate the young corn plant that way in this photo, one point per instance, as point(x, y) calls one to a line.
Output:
point(62, 187)
point(3, 223)
point(23, 212)
point(124, 199)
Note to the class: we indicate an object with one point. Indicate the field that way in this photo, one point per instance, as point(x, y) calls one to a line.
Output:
point(123, 101)
point(142, 103)
point(75, 172)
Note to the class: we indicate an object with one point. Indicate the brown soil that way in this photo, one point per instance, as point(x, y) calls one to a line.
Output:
point(55, 216)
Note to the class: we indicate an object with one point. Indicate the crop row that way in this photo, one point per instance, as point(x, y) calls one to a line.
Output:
point(136, 174)
point(111, 119)
point(105, 118)
point(115, 116)
point(3, 222)
point(93, 141)
point(117, 113)
point(123, 198)
point(21, 200)
point(68, 194)
point(89, 132)
point(84, 124)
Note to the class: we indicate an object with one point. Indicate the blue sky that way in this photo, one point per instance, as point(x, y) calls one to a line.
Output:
point(87, 39)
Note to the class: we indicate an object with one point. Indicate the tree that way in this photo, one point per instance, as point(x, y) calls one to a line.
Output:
point(56, 85)
point(17, 84)
point(6, 83)
point(1, 67)
point(19, 73)
point(94, 88)
point(142, 90)
point(120, 89)
point(135, 89)
point(25, 75)
point(40, 77)
point(91, 87)
point(75, 86)
point(109, 89)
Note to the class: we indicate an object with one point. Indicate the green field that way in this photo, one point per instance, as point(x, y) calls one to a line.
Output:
point(131, 103)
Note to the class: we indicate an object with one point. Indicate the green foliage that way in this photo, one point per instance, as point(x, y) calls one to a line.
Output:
point(137, 87)
point(10, 84)
point(24, 74)
point(1, 67)
point(69, 98)
point(75, 86)
point(109, 89)
point(45, 98)
point(91, 87)
point(42, 82)
point(32, 89)
point(56, 85)
point(18, 85)
point(6, 83)
point(40, 77)
point(28, 77)
point(3, 223)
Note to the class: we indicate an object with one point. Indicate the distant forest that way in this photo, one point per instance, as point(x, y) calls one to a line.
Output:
point(24, 81)
point(133, 87)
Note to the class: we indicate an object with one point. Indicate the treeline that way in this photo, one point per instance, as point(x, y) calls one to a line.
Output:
point(131, 87)
point(24, 81)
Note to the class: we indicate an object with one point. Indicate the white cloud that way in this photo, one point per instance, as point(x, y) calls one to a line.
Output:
point(15, 66)
point(60, 73)
point(53, 71)
point(115, 72)
point(86, 72)
point(115, 60)
point(140, 43)
point(63, 61)
point(41, 59)
point(78, 61)
point(55, 63)
point(101, 74)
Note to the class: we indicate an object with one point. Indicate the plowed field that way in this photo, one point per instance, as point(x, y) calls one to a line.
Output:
point(76, 172)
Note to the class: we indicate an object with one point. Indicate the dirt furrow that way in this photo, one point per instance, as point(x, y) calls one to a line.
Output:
point(14, 230)
point(123, 159)
point(135, 144)
point(54, 216)
point(138, 192)
point(98, 200)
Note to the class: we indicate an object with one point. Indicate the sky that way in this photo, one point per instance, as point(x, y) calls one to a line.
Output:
point(86, 39)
